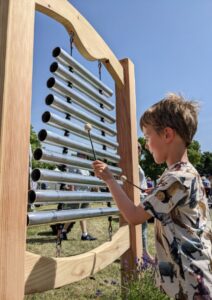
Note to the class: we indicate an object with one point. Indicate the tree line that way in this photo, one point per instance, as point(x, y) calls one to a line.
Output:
point(202, 161)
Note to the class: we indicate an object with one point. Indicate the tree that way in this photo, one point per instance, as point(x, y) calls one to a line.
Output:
point(35, 143)
point(205, 165)
point(194, 153)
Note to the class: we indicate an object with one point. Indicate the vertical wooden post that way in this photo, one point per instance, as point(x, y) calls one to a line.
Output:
point(16, 56)
point(128, 150)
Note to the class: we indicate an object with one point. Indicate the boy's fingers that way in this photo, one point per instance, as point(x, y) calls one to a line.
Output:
point(99, 166)
point(96, 162)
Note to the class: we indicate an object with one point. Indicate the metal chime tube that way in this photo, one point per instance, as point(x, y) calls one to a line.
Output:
point(77, 82)
point(79, 99)
point(65, 177)
point(48, 217)
point(54, 196)
point(55, 139)
point(62, 123)
point(68, 160)
point(65, 107)
point(69, 61)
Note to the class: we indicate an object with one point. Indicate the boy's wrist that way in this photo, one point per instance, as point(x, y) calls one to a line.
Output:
point(110, 180)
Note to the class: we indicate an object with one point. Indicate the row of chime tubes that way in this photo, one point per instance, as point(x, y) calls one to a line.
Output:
point(69, 145)
point(50, 137)
point(88, 128)
point(56, 121)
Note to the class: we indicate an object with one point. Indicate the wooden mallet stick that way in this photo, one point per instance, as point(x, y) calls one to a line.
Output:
point(88, 128)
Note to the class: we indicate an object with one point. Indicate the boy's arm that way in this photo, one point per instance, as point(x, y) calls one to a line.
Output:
point(133, 214)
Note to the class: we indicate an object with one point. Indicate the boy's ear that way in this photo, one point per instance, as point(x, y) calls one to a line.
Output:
point(169, 134)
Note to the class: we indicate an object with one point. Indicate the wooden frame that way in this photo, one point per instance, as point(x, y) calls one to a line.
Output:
point(16, 53)
point(42, 273)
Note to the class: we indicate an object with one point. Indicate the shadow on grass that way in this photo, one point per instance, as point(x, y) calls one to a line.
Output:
point(40, 240)
point(46, 233)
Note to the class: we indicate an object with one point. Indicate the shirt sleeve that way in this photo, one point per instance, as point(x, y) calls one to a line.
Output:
point(171, 191)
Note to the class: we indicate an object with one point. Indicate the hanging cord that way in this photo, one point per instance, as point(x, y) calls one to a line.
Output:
point(59, 240)
point(110, 228)
point(100, 71)
point(59, 237)
point(70, 67)
point(71, 42)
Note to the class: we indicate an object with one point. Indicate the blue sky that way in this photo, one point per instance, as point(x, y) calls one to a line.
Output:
point(169, 42)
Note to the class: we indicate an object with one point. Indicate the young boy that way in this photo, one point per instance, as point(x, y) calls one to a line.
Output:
point(183, 233)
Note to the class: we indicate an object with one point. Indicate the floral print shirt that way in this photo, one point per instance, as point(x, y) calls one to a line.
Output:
point(183, 233)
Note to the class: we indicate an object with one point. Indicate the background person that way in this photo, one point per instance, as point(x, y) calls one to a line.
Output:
point(85, 236)
point(150, 184)
point(207, 185)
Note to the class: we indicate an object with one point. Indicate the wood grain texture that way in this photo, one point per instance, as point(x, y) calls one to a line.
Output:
point(42, 273)
point(87, 40)
point(16, 53)
point(16, 57)
point(128, 150)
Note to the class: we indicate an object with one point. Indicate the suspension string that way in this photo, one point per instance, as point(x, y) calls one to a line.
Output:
point(59, 237)
point(70, 68)
point(100, 72)
point(59, 240)
point(110, 228)
point(100, 91)
point(71, 42)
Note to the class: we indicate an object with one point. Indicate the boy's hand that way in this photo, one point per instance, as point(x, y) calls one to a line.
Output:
point(101, 170)
point(148, 190)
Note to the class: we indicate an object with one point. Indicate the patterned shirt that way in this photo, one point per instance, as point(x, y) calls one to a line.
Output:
point(183, 234)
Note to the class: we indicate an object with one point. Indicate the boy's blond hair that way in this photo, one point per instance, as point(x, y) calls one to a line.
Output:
point(175, 112)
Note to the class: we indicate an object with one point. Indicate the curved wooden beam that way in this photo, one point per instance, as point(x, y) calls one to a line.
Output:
point(42, 273)
point(87, 40)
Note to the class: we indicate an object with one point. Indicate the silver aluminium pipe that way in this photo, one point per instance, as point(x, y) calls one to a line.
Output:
point(64, 124)
point(64, 58)
point(68, 160)
point(78, 83)
point(65, 107)
point(61, 141)
point(58, 216)
point(54, 196)
point(65, 177)
point(79, 99)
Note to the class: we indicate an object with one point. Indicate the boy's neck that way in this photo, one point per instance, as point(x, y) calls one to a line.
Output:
point(178, 154)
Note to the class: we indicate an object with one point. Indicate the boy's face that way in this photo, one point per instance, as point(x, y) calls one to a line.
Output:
point(155, 143)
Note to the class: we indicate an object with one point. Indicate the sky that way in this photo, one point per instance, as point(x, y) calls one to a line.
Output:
point(169, 42)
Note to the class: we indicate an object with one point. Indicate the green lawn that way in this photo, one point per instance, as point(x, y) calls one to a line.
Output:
point(106, 284)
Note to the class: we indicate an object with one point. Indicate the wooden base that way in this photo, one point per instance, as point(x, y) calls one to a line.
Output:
point(43, 273)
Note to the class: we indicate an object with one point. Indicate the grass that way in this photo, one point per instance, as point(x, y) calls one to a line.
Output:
point(106, 284)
